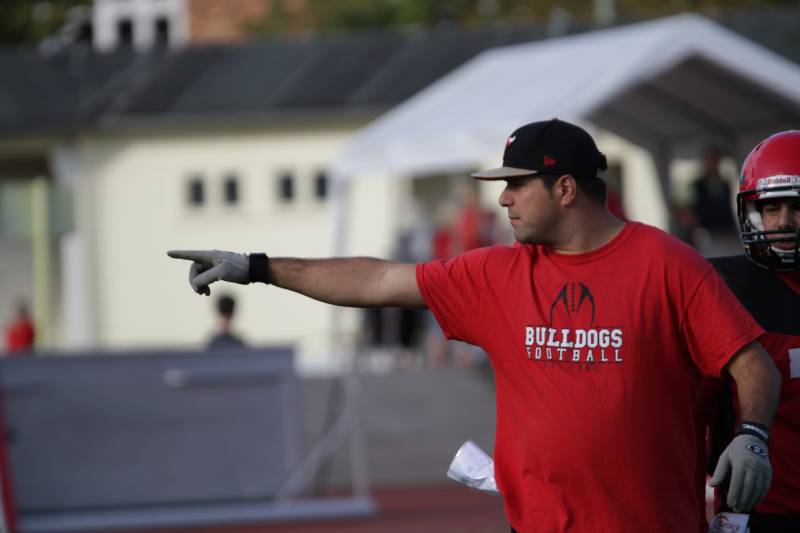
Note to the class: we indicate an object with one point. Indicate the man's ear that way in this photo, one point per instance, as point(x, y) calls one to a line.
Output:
point(567, 189)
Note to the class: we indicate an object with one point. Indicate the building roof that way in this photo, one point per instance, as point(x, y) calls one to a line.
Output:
point(256, 81)
point(669, 85)
point(363, 74)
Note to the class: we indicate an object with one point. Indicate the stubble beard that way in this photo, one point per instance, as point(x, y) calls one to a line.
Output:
point(543, 231)
point(530, 235)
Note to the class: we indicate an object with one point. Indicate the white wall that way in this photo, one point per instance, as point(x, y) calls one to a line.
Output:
point(142, 14)
point(16, 254)
point(139, 184)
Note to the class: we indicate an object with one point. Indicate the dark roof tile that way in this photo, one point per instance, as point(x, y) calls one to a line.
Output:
point(373, 70)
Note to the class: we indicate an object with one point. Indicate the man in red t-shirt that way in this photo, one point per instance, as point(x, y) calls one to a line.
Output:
point(767, 281)
point(599, 332)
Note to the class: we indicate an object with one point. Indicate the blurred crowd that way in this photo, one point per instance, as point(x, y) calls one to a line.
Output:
point(411, 339)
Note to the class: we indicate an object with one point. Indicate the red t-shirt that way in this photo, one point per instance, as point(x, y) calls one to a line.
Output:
point(598, 361)
point(20, 336)
point(784, 444)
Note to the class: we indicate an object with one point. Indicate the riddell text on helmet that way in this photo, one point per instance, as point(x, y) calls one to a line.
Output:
point(596, 345)
point(778, 181)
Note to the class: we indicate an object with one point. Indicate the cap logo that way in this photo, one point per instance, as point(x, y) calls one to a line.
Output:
point(549, 161)
point(511, 140)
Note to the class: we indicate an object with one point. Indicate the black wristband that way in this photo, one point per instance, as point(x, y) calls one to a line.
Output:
point(746, 427)
point(259, 268)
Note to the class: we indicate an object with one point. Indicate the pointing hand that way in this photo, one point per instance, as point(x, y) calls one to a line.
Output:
point(209, 266)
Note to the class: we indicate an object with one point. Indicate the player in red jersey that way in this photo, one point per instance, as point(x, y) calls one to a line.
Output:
point(599, 332)
point(20, 332)
point(768, 284)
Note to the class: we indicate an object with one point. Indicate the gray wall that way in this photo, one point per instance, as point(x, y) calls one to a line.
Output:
point(414, 423)
point(102, 430)
point(146, 429)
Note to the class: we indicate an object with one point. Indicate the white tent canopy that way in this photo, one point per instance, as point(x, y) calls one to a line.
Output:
point(668, 85)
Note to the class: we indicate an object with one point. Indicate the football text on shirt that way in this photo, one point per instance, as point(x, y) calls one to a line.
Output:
point(596, 345)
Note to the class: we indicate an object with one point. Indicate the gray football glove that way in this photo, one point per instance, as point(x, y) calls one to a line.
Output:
point(209, 266)
point(751, 473)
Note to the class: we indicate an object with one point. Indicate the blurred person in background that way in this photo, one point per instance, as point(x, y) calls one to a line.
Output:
point(474, 226)
point(20, 331)
point(709, 218)
point(225, 337)
point(598, 331)
point(470, 227)
point(766, 279)
point(400, 330)
point(463, 225)
point(442, 248)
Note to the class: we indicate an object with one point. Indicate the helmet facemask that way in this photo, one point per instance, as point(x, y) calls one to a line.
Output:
point(760, 245)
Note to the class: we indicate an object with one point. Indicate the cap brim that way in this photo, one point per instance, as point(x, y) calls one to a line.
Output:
point(502, 173)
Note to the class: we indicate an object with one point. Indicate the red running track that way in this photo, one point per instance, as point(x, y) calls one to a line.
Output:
point(447, 509)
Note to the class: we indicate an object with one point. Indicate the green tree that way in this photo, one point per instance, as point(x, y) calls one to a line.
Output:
point(26, 22)
point(326, 15)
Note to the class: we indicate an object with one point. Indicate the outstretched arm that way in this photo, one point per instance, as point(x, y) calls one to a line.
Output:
point(353, 282)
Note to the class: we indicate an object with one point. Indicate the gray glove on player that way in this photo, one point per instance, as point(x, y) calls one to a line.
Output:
point(209, 266)
point(751, 473)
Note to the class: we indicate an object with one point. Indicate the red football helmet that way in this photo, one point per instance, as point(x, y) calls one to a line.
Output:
point(771, 170)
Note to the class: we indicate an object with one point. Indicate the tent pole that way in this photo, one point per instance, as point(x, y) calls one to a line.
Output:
point(662, 157)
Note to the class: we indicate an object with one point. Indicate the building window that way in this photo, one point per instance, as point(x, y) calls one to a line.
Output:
point(230, 190)
point(162, 33)
point(321, 185)
point(85, 34)
point(195, 192)
point(125, 33)
point(286, 187)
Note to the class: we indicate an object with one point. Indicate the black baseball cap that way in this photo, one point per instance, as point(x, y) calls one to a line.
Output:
point(549, 147)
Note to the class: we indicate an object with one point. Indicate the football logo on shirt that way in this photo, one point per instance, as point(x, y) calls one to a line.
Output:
point(571, 299)
point(572, 336)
